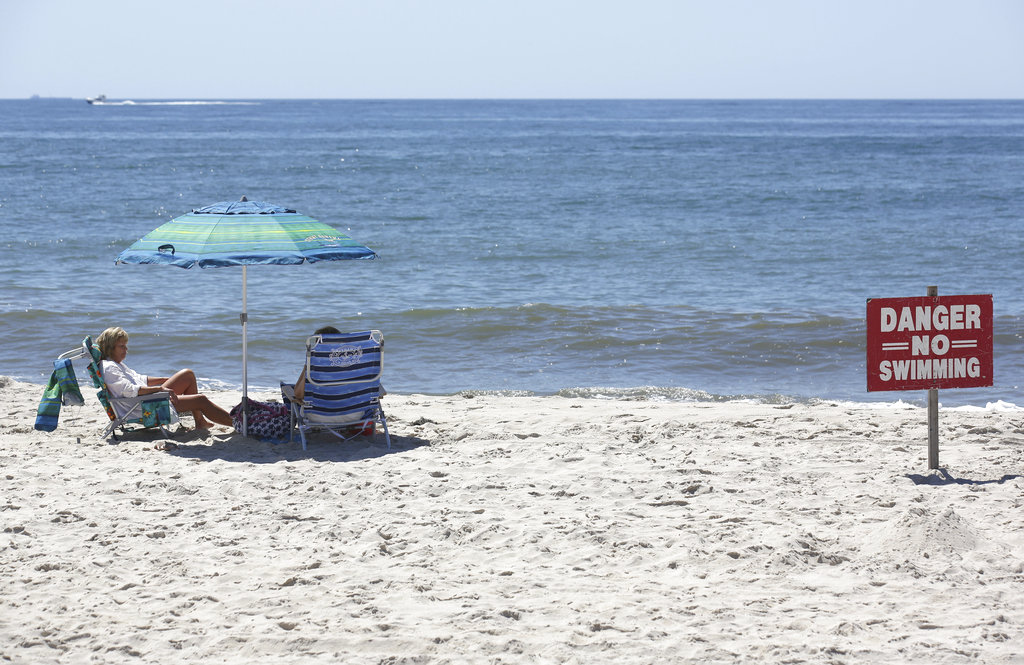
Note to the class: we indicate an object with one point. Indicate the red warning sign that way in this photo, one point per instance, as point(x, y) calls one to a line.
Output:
point(929, 342)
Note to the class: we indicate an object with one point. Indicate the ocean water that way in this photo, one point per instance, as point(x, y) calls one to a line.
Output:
point(702, 250)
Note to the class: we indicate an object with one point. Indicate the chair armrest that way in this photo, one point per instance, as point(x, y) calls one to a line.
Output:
point(139, 399)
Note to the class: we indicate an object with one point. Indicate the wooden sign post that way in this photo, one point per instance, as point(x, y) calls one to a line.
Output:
point(929, 343)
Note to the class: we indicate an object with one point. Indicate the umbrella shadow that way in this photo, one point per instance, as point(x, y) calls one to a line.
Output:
point(233, 447)
point(940, 477)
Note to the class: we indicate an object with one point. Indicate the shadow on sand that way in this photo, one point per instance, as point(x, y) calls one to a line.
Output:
point(944, 477)
point(233, 447)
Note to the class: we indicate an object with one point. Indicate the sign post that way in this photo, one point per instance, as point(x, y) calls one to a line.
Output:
point(933, 411)
point(929, 343)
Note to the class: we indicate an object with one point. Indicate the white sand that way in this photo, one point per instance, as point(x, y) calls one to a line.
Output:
point(520, 530)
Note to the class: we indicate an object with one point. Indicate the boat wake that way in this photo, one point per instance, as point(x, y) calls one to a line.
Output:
point(102, 100)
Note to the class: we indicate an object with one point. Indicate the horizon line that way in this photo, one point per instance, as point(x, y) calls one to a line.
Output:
point(531, 99)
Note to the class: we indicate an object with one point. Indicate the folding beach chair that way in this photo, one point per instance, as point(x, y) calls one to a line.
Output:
point(342, 388)
point(152, 410)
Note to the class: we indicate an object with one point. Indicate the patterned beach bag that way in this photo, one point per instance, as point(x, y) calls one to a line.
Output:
point(156, 412)
point(268, 421)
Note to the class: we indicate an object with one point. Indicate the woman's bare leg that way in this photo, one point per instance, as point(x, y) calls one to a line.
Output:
point(182, 383)
point(200, 406)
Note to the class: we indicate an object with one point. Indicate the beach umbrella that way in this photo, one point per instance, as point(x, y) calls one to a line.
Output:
point(243, 233)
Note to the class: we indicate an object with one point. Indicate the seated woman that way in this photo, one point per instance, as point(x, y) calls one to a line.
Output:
point(300, 385)
point(123, 381)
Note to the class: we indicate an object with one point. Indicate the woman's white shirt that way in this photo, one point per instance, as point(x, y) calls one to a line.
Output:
point(122, 380)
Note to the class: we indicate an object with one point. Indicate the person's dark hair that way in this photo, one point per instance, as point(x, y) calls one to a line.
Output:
point(328, 330)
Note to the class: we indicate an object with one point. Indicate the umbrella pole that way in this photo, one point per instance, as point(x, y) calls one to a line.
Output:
point(245, 360)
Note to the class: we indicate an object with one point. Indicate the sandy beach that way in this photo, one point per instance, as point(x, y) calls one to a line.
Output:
point(519, 530)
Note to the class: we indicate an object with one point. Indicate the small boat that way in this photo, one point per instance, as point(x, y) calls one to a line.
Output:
point(98, 99)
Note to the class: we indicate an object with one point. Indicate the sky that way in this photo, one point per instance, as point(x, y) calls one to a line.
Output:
point(511, 49)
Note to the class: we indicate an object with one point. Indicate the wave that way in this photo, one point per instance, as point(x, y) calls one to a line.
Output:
point(670, 394)
point(595, 327)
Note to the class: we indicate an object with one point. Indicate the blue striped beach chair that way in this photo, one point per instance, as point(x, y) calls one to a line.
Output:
point(342, 388)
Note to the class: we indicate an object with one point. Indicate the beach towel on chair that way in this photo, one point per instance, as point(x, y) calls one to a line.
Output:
point(61, 389)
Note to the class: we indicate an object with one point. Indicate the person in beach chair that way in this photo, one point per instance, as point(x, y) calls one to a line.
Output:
point(124, 383)
point(339, 388)
point(151, 410)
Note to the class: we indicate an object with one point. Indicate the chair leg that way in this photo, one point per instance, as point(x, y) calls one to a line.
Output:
point(110, 431)
point(387, 435)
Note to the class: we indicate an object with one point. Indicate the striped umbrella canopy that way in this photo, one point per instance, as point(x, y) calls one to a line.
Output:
point(243, 233)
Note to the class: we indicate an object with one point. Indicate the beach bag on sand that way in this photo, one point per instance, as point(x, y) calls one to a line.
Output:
point(268, 421)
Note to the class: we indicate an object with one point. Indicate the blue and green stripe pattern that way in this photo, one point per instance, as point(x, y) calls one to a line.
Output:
point(243, 233)
point(62, 389)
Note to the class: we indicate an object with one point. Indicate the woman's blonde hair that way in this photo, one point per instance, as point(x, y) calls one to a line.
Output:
point(108, 339)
